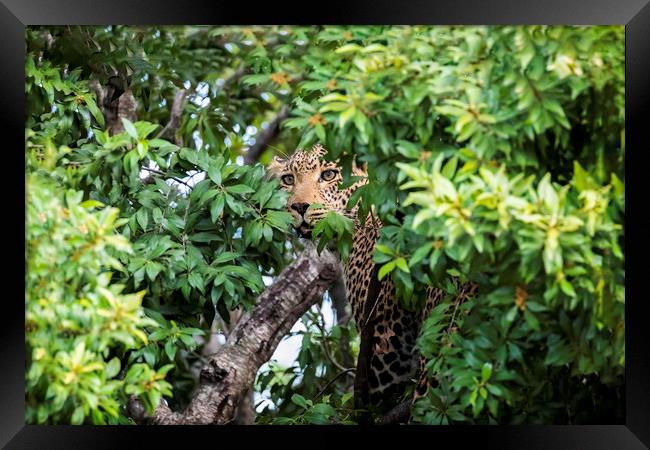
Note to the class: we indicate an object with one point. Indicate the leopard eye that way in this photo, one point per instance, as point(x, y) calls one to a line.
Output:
point(287, 179)
point(328, 175)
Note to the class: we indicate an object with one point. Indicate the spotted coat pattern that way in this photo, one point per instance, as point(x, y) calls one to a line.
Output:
point(394, 360)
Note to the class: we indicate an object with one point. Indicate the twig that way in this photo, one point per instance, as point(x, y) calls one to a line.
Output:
point(453, 315)
point(158, 172)
point(346, 371)
point(326, 346)
point(169, 193)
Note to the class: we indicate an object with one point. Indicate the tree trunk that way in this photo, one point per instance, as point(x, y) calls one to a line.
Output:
point(230, 372)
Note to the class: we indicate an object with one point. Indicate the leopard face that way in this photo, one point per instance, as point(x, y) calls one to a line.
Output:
point(313, 185)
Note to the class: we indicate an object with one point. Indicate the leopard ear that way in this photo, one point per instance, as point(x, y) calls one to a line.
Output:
point(279, 160)
point(318, 150)
point(361, 170)
point(275, 167)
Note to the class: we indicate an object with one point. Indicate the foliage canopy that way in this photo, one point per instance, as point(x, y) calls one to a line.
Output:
point(495, 154)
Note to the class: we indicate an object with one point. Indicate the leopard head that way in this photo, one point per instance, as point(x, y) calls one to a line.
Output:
point(311, 180)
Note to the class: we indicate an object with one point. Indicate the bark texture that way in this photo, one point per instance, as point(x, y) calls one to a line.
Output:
point(178, 106)
point(230, 372)
point(115, 104)
point(399, 414)
point(339, 302)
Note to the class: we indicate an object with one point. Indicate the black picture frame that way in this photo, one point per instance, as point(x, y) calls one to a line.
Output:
point(633, 14)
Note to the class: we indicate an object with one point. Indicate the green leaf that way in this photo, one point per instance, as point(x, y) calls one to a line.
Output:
point(283, 421)
point(346, 115)
point(77, 416)
point(224, 257)
point(402, 265)
point(240, 189)
point(170, 350)
point(88, 204)
point(253, 233)
point(142, 218)
point(152, 269)
point(486, 372)
point(547, 192)
point(348, 48)
point(267, 232)
point(162, 144)
point(216, 208)
point(422, 216)
point(157, 215)
point(279, 219)
point(531, 320)
point(494, 389)
point(142, 148)
point(129, 128)
point(196, 280)
point(335, 96)
point(154, 398)
point(581, 178)
point(567, 288)
point(449, 169)
point(188, 341)
point(408, 149)
point(300, 401)
point(158, 335)
point(420, 253)
point(386, 269)
point(112, 368)
point(94, 110)
point(215, 175)
point(483, 392)
point(320, 132)
point(324, 410)
point(236, 206)
point(205, 236)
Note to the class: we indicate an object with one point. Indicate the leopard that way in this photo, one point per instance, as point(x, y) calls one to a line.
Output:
point(393, 361)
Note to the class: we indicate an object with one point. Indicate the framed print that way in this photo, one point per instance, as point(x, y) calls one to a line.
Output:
point(374, 216)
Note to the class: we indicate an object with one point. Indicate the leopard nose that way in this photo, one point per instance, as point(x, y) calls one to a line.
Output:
point(300, 208)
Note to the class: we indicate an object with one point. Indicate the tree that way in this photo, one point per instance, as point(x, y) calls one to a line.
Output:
point(495, 155)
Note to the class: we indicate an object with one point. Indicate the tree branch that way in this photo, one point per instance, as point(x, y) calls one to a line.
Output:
point(161, 173)
point(231, 371)
point(241, 70)
point(400, 413)
point(169, 131)
point(266, 137)
point(322, 391)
